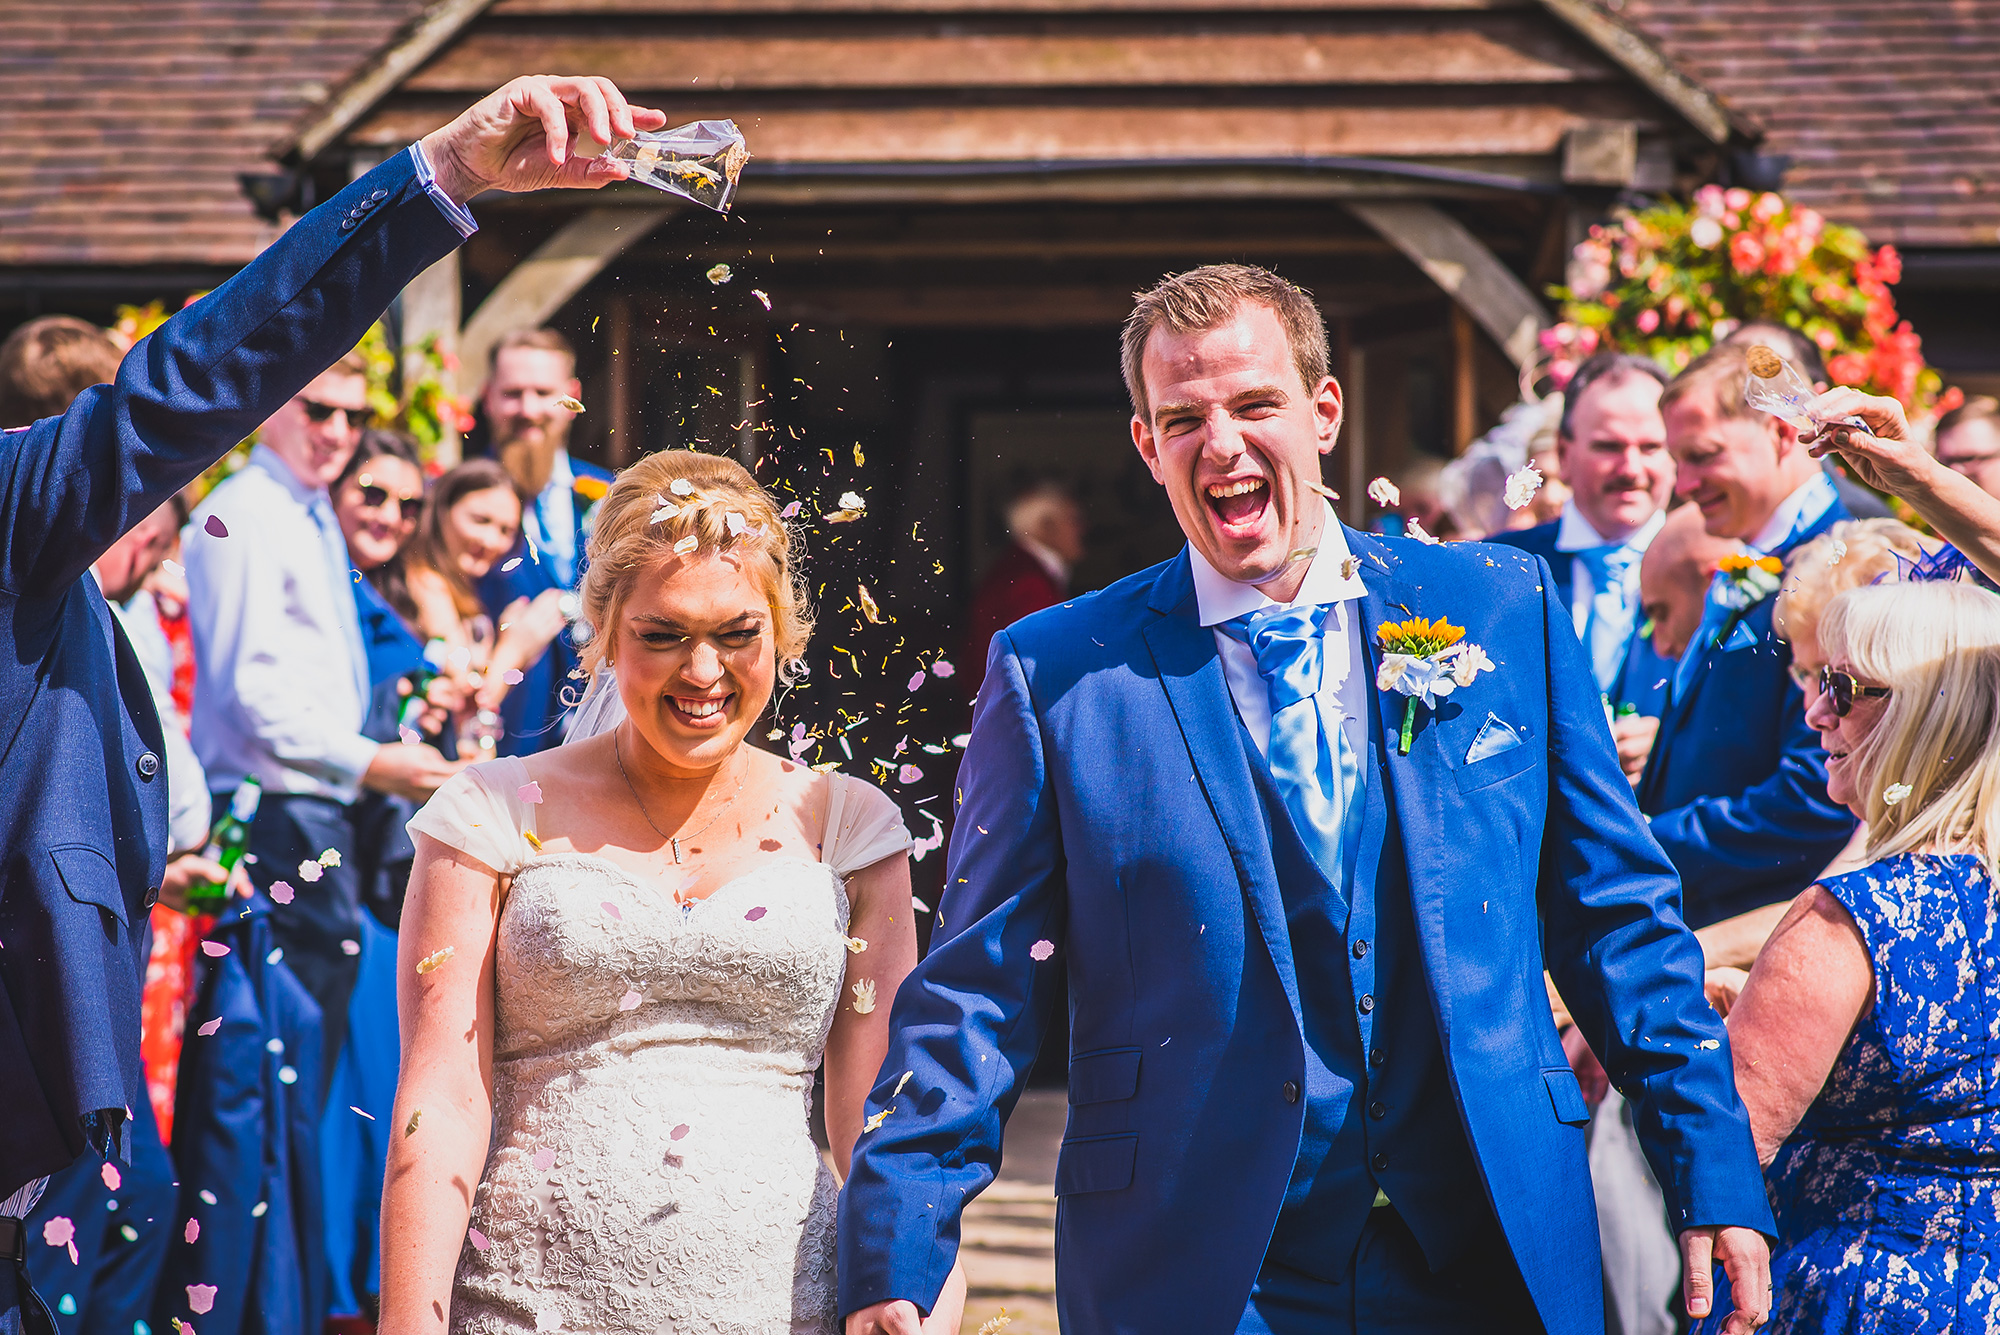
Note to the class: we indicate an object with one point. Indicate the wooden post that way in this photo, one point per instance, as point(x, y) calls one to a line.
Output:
point(1355, 494)
point(619, 447)
point(1457, 261)
point(1464, 380)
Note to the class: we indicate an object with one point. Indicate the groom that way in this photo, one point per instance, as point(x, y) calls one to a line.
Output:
point(1313, 1083)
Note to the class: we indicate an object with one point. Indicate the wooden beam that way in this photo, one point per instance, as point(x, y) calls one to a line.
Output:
point(1623, 43)
point(790, 8)
point(437, 24)
point(1460, 263)
point(556, 271)
point(431, 310)
point(1494, 52)
point(1464, 380)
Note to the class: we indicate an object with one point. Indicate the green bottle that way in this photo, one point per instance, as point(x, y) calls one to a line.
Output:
point(225, 846)
point(419, 682)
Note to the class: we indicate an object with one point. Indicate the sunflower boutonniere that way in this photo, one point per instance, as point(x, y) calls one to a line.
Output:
point(1425, 660)
point(1744, 579)
point(590, 488)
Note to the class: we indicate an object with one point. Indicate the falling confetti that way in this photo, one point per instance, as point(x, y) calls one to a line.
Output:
point(855, 945)
point(214, 527)
point(997, 1324)
point(480, 1242)
point(309, 871)
point(435, 959)
point(282, 892)
point(869, 608)
point(330, 858)
point(679, 1132)
point(757, 293)
point(416, 1115)
point(1895, 793)
point(756, 914)
point(908, 774)
point(530, 792)
point(1385, 493)
point(942, 668)
point(201, 1297)
point(1710, 1043)
point(509, 566)
point(735, 523)
point(1839, 550)
point(61, 1232)
point(630, 1001)
point(876, 1119)
point(916, 680)
point(360, 1113)
point(574, 405)
point(852, 500)
point(287, 1075)
point(864, 996)
point(1350, 567)
point(1417, 532)
point(513, 676)
point(110, 1175)
point(900, 1083)
point(214, 948)
point(686, 545)
point(349, 946)
point(207, 1196)
point(208, 1030)
point(1041, 950)
point(193, 1229)
point(1522, 484)
point(1313, 484)
point(533, 842)
point(720, 274)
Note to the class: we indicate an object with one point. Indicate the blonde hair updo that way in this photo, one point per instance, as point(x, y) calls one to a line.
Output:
point(724, 509)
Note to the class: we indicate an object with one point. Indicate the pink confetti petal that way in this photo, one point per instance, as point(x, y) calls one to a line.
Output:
point(510, 565)
point(214, 948)
point(789, 512)
point(942, 668)
point(513, 676)
point(1041, 950)
point(309, 871)
point(215, 528)
point(612, 909)
point(479, 1240)
point(908, 774)
point(110, 1175)
point(754, 914)
point(201, 1297)
point(282, 892)
point(530, 792)
point(59, 1232)
point(208, 1030)
point(545, 1159)
point(679, 1132)
point(193, 1230)
point(630, 1001)
point(917, 679)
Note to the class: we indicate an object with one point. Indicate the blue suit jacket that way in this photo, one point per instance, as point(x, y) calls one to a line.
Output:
point(532, 711)
point(1108, 808)
point(1736, 784)
point(1643, 683)
point(83, 813)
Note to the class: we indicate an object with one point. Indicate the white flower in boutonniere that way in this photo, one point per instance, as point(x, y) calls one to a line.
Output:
point(1425, 660)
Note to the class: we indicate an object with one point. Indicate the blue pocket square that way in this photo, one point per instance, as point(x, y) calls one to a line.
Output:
point(1494, 739)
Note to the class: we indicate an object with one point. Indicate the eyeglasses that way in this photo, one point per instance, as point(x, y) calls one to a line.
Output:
point(374, 498)
point(323, 412)
point(1843, 687)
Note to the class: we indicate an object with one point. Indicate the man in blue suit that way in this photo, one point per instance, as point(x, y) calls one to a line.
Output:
point(83, 816)
point(533, 371)
point(1313, 1083)
point(1736, 785)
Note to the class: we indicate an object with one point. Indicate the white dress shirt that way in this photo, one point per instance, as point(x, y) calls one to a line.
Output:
point(275, 692)
point(1343, 665)
point(187, 786)
point(1574, 533)
point(1814, 497)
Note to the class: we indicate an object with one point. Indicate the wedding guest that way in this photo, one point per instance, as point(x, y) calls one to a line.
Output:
point(1045, 532)
point(1674, 578)
point(1735, 788)
point(1802, 352)
point(1968, 442)
point(378, 499)
point(47, 362)
point(533, 372)
point(1862, 1041)
point(84, 818)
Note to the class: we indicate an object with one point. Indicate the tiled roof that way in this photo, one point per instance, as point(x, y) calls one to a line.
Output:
point(1890, 109)
point(127, 121)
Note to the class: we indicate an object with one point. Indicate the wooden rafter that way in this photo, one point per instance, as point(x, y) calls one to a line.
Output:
point(1458, 262)
point(438, 24)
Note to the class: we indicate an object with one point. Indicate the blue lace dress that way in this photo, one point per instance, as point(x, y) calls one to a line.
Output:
point(1888, 1194)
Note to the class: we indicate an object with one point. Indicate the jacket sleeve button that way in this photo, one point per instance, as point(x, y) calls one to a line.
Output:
point(149, 765)
point(1291, 1091)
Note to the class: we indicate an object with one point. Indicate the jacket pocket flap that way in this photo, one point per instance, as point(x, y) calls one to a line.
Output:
point(1567, 1096)
point(1101, 1163)
point(1099, 1077)
point(90, 879)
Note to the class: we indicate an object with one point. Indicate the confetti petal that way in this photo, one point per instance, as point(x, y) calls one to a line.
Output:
point(686, 545)
point(201, 1297)
point(360, 1113)
point(59, 1232)
point(869, 608)
point(574, 405)
point(855, 945)
point(350, 947)
point(756, 914)
point(110, 1175)
point(530, 792)
point(513, 676)
point(735, 523)
point(1350, 567)
point(864, 996)
point(1384, 493)
point(282, 892)
point(510, 565)
point(330, 858)
point(207, 1196)
point(1895, 793)
point(612, 909)
point(1041, 950)
point(630, 1001)
point(916, 680)
point(1522, 484)
point(545, 1159)
point(214, 527)
point(876, 1119)
point(790, 512)
point(900, 1083)
point(942, 668)
point(908, 774)
point(309, 871)
point(761, 297)
point(679, 1132)
point(193, 1229)
point(416, 1115)
point(480, 1242)
point(719, 274)
point(680, 486)
point(436, 959)
point(214, 948)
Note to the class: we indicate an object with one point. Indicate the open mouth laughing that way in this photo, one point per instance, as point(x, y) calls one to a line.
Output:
point(1239, 505)
point(707, 711)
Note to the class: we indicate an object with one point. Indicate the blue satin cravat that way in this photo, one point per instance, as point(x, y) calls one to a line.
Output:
point(1607, 633)
point(1309, 754)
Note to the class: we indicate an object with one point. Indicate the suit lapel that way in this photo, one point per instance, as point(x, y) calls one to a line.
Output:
point(1190, 671)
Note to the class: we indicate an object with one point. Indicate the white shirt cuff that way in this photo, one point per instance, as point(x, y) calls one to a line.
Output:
point(450, 207)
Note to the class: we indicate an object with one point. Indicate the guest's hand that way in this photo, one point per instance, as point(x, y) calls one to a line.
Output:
point(410, 770)
point(527, 628)
point(1745, 1257)
point(1634, 734)
point(1558, 1008)
point(189, 870)
point(519, 137)
point(1723, 986)
point(1884, 456)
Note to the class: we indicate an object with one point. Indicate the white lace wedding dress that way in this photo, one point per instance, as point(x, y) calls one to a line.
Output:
point(650, 1169)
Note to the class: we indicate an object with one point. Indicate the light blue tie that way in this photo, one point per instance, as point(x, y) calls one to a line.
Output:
point(341, 573)
point(1310, 756)
point(1607, 632)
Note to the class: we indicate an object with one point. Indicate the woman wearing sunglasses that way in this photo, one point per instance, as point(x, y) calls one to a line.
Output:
point(1864, 1042)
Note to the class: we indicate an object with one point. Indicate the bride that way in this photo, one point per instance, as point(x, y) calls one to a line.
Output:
point(623, 959)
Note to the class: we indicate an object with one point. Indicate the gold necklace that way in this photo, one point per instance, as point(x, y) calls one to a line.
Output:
point(673, 840)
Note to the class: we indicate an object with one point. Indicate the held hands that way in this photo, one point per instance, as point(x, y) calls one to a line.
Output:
point(1745, 1257)
point(900, 1317)
point(520, 137)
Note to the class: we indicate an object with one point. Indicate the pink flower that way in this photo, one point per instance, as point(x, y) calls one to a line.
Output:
point(1705, 232)
point(1746, 252)
point(1708, 202)
point(1737, 199)
point(1648, 320)
point(1767, 207)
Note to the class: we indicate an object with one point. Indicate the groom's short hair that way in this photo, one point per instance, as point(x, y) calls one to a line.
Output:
point(1204, 298)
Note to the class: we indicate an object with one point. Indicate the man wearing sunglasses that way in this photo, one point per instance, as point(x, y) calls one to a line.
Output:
point(83, 814)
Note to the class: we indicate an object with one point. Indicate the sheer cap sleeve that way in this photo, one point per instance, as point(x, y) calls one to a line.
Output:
point(863, 826)
point(479, 812)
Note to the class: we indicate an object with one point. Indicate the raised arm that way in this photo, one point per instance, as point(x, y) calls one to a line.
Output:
point(444, 1093)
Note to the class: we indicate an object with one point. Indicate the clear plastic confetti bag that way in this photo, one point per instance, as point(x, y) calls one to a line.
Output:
point(1775, 386)
point(699, 161)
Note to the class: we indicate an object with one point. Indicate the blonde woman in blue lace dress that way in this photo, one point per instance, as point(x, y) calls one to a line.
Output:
point(623, 959)
point(1867, 1039)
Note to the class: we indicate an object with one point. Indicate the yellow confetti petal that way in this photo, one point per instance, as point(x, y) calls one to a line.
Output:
point(435, 959)
point(844, 516)
point(997, 1324)
point(860, 461)
point(877, 1119)
point(533, 842)
point(864, 996)
point(869, 608)
point(416, 1115)
point(900, 1083)
point(855, 945)
point(574, 405)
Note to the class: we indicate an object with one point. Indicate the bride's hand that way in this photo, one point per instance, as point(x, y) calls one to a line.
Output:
point(900, 1317)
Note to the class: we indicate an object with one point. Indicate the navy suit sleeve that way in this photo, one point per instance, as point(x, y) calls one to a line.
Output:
point(71, 485)
point(970, 1018)
point(1785, 829)
point(1627, 965)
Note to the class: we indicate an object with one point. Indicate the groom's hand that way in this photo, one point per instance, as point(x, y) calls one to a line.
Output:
point(1745, 1257)
point(521, 137)
point(891, 1318)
